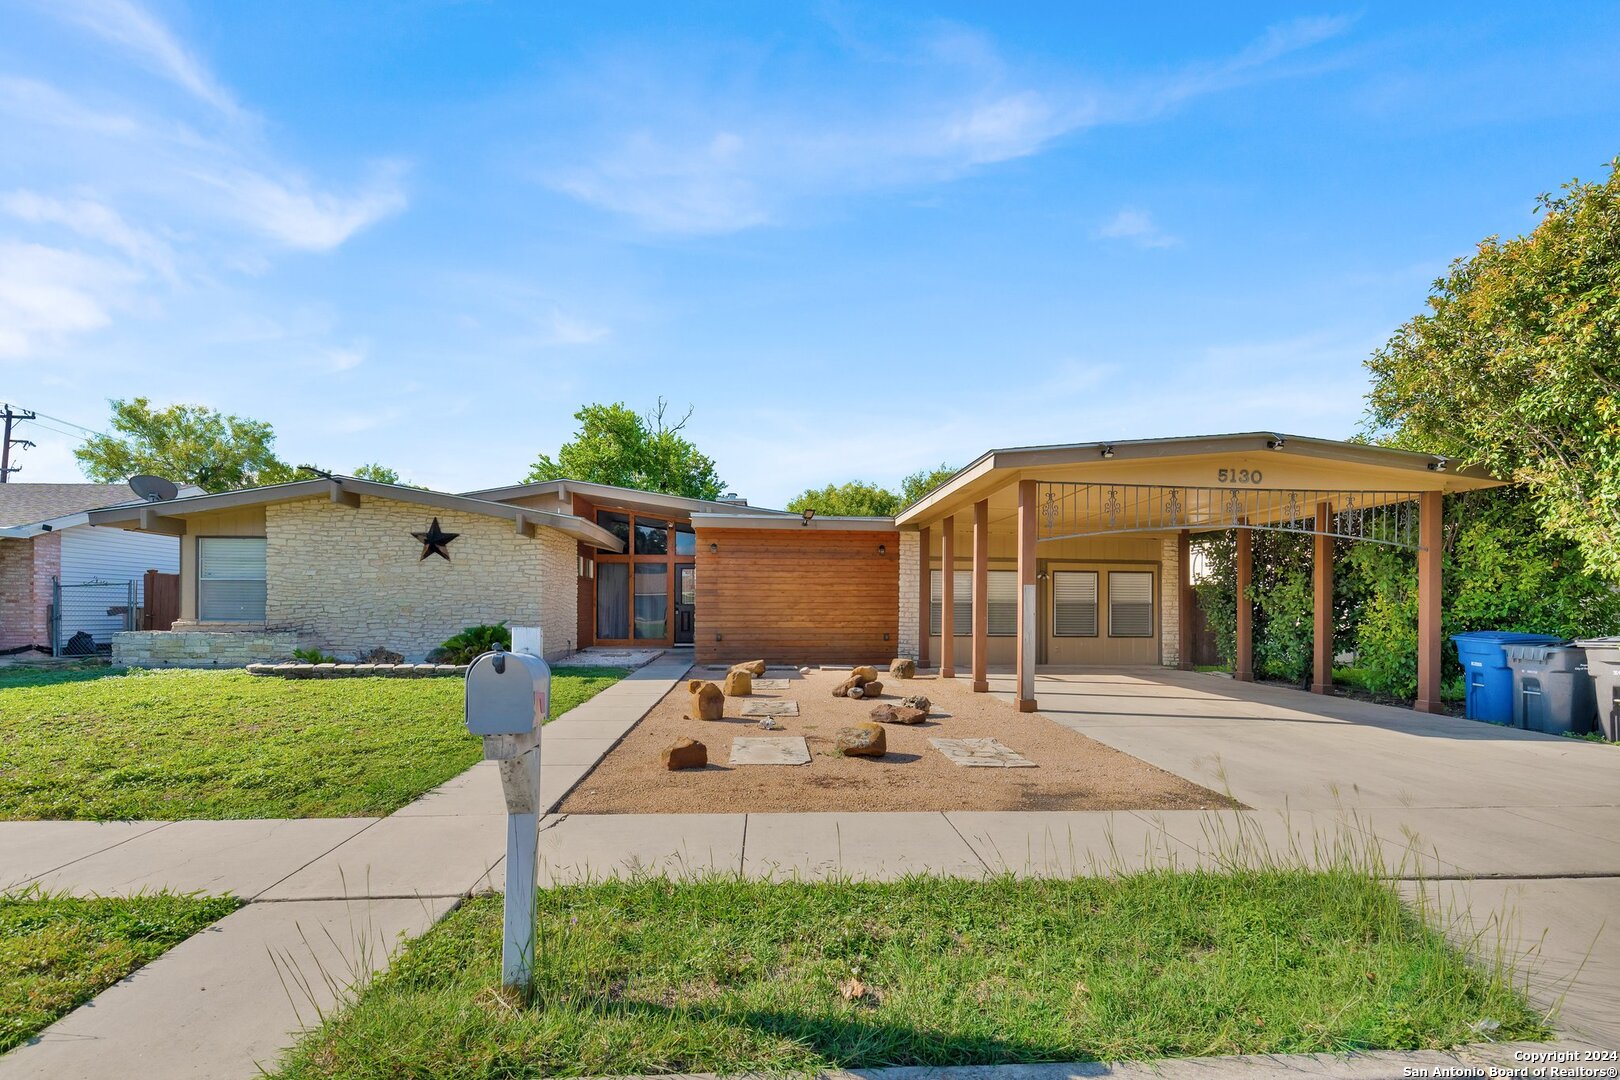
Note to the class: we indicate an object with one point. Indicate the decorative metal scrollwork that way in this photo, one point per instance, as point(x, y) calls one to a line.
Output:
point(1112, 507)
point(1291, 511)
point(1051, 512)
point(1173, 508)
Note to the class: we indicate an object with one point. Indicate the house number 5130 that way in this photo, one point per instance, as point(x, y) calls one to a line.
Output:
point(1238, 476)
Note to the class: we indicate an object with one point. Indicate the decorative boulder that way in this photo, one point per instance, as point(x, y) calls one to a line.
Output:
point(738, 683)
point(898, 714)
point(901, 668)
point(872, 689)
point(708, 703)
point(917, 701)
point(756, 668)
point(861, 740)
point(380, 655)
point(857, 691)
point(770, 723)
point(865, 673)
point(843, 688)
point(685, 754)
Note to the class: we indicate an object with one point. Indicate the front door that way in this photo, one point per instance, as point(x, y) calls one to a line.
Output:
point(685, 602)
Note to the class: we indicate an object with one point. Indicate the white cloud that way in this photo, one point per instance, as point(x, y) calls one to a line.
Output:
point(47, 294)
point(1136, 227)
point(292, 214)
point(94, 221)
point(150, 42)
point(702, 146)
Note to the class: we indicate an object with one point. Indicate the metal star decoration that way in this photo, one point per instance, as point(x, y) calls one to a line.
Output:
point(434, 541)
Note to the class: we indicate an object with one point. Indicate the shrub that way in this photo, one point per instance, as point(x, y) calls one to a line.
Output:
point(471, 643)
point(313, 656)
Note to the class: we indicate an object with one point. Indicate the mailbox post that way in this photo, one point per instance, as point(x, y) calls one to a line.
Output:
point(508, 699)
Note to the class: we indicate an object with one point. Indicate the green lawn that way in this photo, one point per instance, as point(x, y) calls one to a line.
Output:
point(724, 975)
point(224, 744)
point(58, 952)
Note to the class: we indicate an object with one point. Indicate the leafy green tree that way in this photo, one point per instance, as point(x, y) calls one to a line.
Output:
point(923, 481)
point(185, 443)
point(854, 499)
point(616, 445)
point(380, 474)
point(1516, 366)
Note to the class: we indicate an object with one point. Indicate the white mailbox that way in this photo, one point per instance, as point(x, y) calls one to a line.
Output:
point(508, 696)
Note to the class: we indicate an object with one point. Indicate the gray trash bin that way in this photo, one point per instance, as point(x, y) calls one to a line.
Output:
point(1603, 659)
point(1552, 691)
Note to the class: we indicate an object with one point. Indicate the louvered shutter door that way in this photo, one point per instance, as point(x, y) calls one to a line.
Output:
point(1130, 603)
point(1074, 603)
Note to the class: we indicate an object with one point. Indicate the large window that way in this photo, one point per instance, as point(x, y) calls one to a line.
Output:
point(230, 579)
point(1074, 603)
point(1130, 603)
point(1001, 592)
point(652, 536)
point(652, 601)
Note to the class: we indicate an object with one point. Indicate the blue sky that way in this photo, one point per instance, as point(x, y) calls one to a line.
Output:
point(859, 240)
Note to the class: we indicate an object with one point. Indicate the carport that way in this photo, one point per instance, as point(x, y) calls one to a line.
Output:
point(1079, 555)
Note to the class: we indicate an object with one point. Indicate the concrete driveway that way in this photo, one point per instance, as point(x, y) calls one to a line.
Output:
point(1518, 833)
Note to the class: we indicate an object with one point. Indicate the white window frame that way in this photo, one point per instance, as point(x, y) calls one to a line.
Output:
point(1096, 604)
point(203, 580)
point(1152, 605)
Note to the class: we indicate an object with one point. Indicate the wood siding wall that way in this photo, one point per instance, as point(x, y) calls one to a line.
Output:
point(797, 596)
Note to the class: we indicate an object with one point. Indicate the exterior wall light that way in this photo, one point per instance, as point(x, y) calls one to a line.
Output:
point(714, 549)
point(1276, 442)
point(807, 515)
point(883, 549)
point(1438, 465)
point(1108, 451)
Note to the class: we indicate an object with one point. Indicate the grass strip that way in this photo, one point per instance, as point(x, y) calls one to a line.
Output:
point(225, 744)
point(725, 975)
point(57, 952)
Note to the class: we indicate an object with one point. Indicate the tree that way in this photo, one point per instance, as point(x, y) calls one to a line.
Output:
point(184, 443)
point(854, 499)
point(1516, 366)
point(615, 445)
point(380, 474)
point(923, 481)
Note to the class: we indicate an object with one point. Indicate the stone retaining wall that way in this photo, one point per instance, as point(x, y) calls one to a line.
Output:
point(201, 648)
point(350, 671)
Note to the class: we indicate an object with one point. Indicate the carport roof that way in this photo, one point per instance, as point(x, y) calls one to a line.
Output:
point(161, 516)
point(1338, 464)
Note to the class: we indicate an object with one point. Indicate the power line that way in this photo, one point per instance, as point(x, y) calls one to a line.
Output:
point(12, 416)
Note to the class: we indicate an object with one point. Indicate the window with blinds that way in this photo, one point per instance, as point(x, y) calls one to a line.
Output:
point(962, 624)
point(1074, 603)
point(230, 579)
point(1001, 594)
point(1130, 603)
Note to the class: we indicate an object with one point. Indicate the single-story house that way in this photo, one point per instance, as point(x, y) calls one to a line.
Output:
point(60, 575)
point(1044, 556)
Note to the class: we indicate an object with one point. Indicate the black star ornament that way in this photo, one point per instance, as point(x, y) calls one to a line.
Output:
point(435, 541)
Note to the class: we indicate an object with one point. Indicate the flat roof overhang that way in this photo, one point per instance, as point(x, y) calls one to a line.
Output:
point(609, 495)
point(1283, 461)
point(169, 516)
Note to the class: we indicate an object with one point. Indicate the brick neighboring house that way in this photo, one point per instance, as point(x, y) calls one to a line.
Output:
point(45, 536)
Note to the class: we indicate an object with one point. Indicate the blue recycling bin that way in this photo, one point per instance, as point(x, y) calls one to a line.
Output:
point(1486, 674)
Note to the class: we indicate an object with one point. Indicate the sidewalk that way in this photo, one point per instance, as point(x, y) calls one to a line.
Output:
point(329, 901)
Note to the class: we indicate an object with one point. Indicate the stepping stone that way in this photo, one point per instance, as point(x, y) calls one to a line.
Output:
point(769, 707)
point(770, 684)
point(769, 750)
point(982, 753)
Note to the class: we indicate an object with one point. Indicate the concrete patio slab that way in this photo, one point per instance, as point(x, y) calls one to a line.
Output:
point(769, 707)
point(581, 847)
point(402, 857)
point(981, 754)
point(1495, 842)
point(242, 858)
point(31, 848)
point(217, 1006)
point(769, 750)
point(879, 847)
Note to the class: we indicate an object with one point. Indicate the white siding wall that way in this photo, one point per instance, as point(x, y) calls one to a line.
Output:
point(117, 555)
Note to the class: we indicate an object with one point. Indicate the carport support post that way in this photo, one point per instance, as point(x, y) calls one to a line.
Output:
point(1322, 572)
point(981, 598)
point(1184, 600)
point(947, 599)
point(1244, 667)
point(1026, 596)
point(925, 556)
point(1431, 518)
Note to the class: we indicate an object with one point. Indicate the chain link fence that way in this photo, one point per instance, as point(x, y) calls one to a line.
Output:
point(84, 617)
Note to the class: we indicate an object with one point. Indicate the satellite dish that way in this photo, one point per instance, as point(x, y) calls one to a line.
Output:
point(153, 488)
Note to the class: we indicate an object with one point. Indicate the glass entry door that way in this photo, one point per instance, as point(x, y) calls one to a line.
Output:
point(685, 603)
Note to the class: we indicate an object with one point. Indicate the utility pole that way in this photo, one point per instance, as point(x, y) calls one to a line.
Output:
point(11, 416)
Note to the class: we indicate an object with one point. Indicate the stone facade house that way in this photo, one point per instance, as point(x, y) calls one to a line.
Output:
point(1050, 556)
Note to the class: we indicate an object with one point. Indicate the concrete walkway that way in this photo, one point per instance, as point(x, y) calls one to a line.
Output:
point(330, 900)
